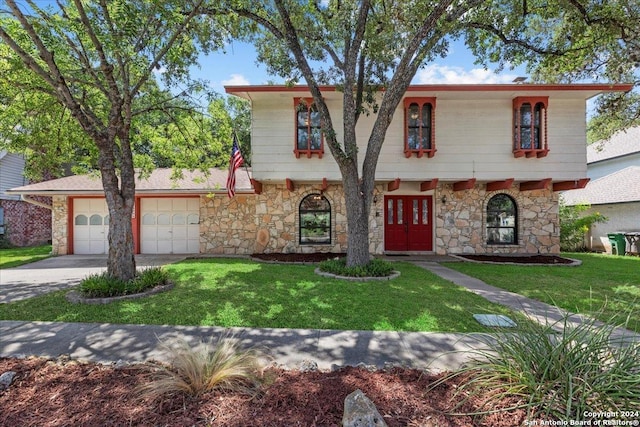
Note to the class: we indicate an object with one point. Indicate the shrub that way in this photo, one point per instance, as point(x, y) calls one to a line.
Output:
point(375, 268)
point(574, 225)
point(101, 285)
point(582, 369)
point(219, 364)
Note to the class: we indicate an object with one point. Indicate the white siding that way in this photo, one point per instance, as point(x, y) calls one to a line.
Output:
point(11, 174)
point(473, 139)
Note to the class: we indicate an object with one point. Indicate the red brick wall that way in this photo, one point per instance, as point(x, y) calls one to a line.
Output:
point(27, 224)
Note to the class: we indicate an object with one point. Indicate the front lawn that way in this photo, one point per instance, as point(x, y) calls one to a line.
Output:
point(238, 292)
point(607, 287)
point(13, 257)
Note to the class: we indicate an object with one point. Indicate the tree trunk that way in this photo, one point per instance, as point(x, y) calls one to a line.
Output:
point(358, 205)
point(120, 197)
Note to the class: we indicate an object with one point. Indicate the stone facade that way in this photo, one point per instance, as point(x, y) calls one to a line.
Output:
point(269, 222)
point(461, 221)
point(59, 232)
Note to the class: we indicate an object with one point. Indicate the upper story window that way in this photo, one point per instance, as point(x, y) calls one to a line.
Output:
point(419, 114)
point(530, 126)
point(309, 138)
point(315, 220)
point(502, 220)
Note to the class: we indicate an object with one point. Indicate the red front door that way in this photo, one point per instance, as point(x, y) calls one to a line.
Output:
point(407, 222)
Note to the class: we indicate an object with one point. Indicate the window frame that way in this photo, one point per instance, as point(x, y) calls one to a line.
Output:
point(298, 103)
point(301, 226)
point(420, 152)
point(539, 129)
point(514, 227)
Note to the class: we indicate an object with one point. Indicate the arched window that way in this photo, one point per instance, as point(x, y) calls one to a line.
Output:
point(419, 127)
point(315, 220)
point(502, 220)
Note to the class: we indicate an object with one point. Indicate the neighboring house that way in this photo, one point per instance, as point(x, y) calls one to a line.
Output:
point(464, 169)
point(614, 167)
point(21, 223)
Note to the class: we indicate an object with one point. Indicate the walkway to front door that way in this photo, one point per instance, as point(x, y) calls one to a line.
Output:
point(407, 223)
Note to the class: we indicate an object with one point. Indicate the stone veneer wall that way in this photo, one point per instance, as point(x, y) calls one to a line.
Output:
point(269, 222)
point(461, 221)
point(59, 232)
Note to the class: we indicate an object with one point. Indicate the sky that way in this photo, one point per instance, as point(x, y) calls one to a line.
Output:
point(237, 66)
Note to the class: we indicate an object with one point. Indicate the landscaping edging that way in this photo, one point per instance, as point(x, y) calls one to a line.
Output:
point(392, 276)
point(574, 262)
point(75, 297)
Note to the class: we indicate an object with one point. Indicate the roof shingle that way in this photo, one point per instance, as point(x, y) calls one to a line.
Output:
point(160, 180)
point(619, 187)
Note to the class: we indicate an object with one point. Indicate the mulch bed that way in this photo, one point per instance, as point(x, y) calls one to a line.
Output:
point(49, 393)
point(510, 259)
point(300, 258)
point(520, 259)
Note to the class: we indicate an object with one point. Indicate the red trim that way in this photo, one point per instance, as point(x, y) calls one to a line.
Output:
point(135, 224)
point(257, 186)
point(325, 185)
point(429, 185)
point(536, 152)
point(535, 185)
point(570, 185)
point(464, 185)
point(70, 225)
point(430, 152)
point(290, 185)
point(393, 185)
point(509, 87)
point(499, 185)
point(308, 152)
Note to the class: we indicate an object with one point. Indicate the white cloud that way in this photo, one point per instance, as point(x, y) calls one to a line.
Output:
point(444, 74)
point(236, 80)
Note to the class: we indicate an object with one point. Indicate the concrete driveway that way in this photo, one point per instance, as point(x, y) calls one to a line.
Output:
point(62, 272)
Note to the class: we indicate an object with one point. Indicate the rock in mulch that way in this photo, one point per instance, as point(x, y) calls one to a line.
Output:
point(6, 379)
point(359, 411)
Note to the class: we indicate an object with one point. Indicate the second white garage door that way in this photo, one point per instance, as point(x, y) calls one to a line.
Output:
point(170, 226)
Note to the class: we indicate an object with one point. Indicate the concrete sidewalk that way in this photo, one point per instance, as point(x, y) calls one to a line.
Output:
point(288, 347)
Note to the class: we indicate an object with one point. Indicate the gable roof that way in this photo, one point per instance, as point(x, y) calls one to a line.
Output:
point(622, 186)
point(620, 144)
point(159, 181)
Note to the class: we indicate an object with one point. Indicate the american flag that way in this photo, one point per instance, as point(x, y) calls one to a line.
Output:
point(234, 163)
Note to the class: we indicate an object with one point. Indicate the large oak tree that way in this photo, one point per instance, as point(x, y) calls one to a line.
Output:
point(362, 46)
point(98, 62)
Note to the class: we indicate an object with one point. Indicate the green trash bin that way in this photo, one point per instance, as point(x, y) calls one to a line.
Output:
point(618, 243)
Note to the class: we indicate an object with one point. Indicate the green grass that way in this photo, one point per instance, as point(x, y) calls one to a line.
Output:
point(234, 292)
point(607, 287)
point(14, 257)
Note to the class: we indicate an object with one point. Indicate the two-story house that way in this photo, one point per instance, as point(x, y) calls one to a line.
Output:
point(463, 169)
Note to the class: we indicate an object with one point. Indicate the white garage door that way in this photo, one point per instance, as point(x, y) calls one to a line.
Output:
point(170, 226)
point(90, 226)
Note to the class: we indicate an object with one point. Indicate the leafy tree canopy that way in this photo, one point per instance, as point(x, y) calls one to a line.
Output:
point(568, 41)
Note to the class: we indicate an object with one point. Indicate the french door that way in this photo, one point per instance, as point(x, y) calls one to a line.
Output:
point(407, 223)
